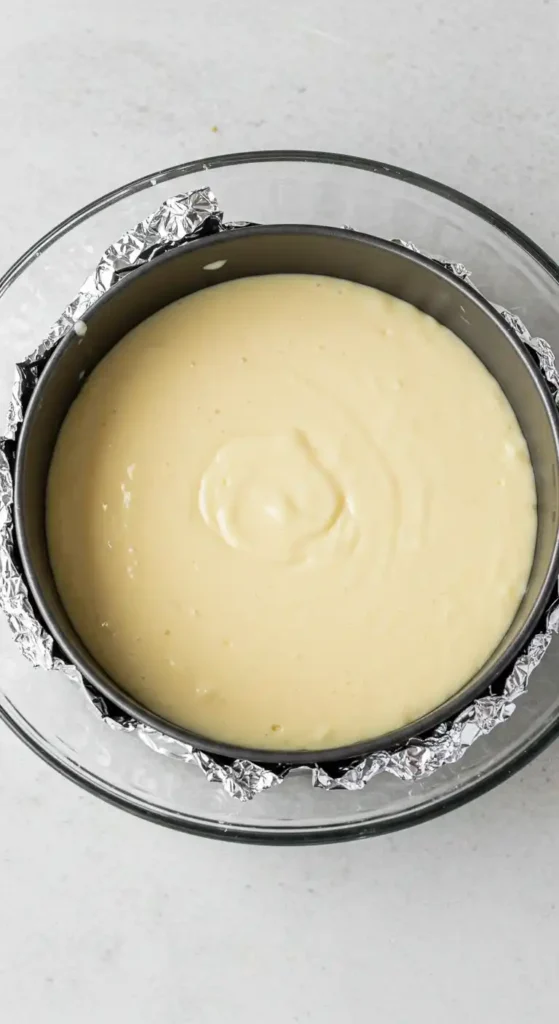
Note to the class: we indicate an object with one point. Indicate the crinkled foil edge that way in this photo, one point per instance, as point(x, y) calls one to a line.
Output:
point(177, 221)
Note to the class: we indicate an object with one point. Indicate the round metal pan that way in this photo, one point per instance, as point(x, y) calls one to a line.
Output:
point(256, 250)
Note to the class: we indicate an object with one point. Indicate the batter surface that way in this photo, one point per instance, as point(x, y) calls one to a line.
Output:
point(291, 512)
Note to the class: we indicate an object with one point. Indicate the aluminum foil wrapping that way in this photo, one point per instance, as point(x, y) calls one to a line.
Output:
point(179, 220)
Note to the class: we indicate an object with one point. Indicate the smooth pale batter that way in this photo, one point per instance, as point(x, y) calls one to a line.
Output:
point(291, 512)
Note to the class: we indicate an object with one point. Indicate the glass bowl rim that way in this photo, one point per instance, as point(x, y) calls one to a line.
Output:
point(272, 834)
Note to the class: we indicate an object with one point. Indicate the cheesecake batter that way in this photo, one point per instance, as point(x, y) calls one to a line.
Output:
point(291, 512)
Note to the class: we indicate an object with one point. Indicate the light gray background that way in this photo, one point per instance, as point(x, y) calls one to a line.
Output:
point(104, 917)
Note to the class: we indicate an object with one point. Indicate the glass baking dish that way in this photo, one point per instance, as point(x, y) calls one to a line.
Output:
point(49, 711)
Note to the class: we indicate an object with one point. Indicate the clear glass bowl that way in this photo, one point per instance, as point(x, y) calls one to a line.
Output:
point(51, 713)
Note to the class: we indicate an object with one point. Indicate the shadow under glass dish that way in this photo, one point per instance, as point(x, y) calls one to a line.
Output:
point(287, 249)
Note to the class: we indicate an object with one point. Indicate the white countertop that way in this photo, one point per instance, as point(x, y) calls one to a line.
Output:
point(107, 918)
